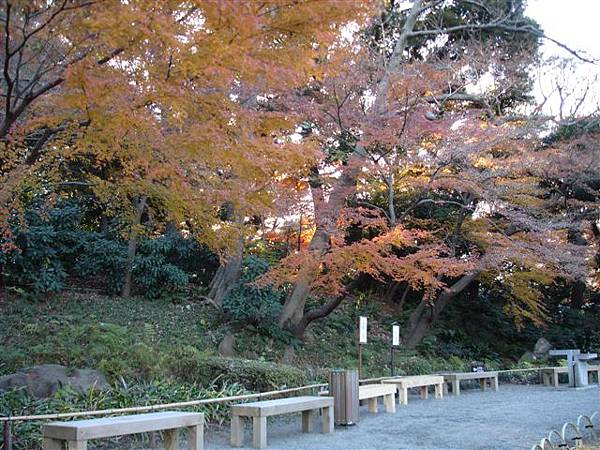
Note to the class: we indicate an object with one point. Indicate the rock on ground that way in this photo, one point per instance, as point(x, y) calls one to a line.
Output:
point(43, 381)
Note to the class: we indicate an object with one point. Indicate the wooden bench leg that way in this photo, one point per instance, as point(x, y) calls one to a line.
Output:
point(327, 420)
point(307, 421)
point(259, 432)
point(446, 388)
point(482, 384)
point(439, 390)
point(555, 379)
point(195, 438)
point(77, 445)
point(372, 405)
point(403, 396)
point(424, 393)
point(237, 431)
point(455, 387)
point(52, 444)
point(389, 401)
point(171, 438)
point(494, 382)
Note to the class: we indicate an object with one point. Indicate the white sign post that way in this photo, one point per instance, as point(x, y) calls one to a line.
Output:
point(363, 330)
point(395, 343)
point(362, 339)
point(395, 335)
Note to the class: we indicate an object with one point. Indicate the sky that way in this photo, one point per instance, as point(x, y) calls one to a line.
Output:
point(574, 23)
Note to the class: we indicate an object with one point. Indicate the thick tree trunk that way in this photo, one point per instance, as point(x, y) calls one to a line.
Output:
point(230, 270)
point(425, 315)
point(293, 308)
point(225, 278)
point(140, 206)
point(326, 215)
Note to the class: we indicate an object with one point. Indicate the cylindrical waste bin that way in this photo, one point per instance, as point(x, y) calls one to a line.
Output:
point(343, 387)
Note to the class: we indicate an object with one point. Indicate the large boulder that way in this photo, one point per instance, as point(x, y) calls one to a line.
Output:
point(43, 381)
point(542, 347)
point(527, 358)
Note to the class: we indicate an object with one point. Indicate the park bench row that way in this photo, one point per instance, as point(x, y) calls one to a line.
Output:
point(77, 433)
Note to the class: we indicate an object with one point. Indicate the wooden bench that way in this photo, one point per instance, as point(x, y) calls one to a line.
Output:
point(371, 392)
point(454, 380)
point(420, 381)
point(259, 411)
point(550, 376)
point(77, 433)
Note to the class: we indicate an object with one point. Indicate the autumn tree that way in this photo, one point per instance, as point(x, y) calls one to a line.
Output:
point(397, 105)
point(156, 107)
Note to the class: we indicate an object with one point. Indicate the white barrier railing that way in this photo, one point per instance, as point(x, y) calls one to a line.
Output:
point(581, 434)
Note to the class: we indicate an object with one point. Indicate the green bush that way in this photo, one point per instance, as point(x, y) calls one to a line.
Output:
point(115, 350)
point(50, 244)
point(166, 264)
point(190, 365)
point(103, 258)
point(44, 246)
point(247, 304)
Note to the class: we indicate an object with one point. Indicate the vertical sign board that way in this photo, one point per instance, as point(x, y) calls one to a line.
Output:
point(395, 335)
point(362, 338)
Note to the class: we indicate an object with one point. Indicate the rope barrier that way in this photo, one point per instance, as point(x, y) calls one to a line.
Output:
point(103, 412)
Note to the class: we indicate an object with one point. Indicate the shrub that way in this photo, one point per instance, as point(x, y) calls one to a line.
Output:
point(50, 244)
point(28, 434)
point(44, 246)
point(248, 304)
point(103, 258)
point(117, 351)
point(190, 365)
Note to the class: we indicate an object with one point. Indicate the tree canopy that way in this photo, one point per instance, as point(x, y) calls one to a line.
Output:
point(357, 145)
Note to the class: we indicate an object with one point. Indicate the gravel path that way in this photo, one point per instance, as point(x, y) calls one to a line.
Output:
point(515, 417)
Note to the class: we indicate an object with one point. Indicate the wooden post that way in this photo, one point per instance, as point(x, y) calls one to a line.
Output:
point(52, 444)
point(171, 439)
point(403, 395)
point(372, 405)
point(395, 343)
point(152, 440)
point(237, 431)
point(7, 435)
point(307, 421)
point(195, 437)
point(362, 339)
point(327, 420)
point(359, 361)
point(389, 402)
point(259, 432)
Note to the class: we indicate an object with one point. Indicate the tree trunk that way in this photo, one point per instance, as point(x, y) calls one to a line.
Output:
point(325, 217)
point(230, 269)
point(425, 315)
point(225, 278)
point(140, 206)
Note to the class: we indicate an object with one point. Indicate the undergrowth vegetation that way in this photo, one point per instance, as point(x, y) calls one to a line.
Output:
point(27, 434)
